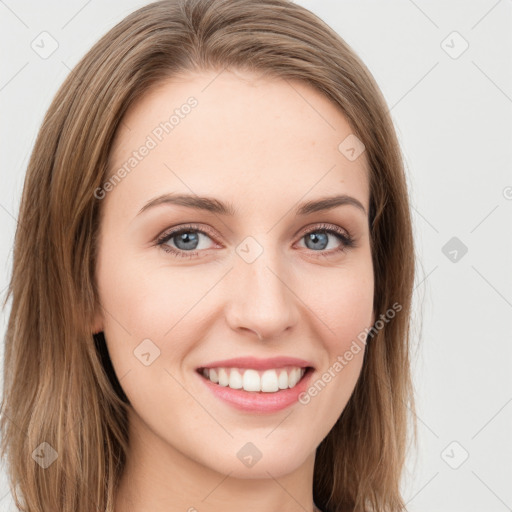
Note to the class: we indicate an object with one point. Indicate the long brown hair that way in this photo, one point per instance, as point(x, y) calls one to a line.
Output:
point(61, 397)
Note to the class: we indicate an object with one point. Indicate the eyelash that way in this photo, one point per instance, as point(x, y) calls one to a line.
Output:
point(346, 240)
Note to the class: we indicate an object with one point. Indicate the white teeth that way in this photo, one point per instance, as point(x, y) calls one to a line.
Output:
point(213, 375)
point(267, 381)
point(235, 379)
point(223, 377)
point(252, 381)
point(283, 379)
point(294, 377)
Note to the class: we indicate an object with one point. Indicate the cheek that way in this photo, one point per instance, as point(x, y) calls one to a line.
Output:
point(143, 301)
point(342, 307)
point(345, 307)
point(147, 299)
point(342, 301)
point(348, 312)
point(145, 315)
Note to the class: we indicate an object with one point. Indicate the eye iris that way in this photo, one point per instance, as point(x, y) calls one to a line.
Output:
point(315, 238)
point(186, 237)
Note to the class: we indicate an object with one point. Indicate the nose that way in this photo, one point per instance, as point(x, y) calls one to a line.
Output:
point(261, 297)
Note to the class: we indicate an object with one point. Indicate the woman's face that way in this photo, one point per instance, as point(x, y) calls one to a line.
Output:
point(255, 278)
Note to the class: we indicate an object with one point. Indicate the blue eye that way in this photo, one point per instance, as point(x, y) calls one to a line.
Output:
point(319, 239)
point(187, 238)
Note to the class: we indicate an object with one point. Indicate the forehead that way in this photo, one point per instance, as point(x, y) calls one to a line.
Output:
point(235, 133)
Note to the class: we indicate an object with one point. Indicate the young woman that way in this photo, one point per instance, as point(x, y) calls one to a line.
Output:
point(212, 275)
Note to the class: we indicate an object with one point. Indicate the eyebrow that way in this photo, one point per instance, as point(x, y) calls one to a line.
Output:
point(216, 206)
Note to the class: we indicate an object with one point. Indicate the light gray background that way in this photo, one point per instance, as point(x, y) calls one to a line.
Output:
point(454, 119)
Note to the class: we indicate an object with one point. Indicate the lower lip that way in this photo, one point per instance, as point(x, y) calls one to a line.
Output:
point(259, 402)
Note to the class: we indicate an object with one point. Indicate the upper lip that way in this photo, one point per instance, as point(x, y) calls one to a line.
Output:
point(259, 364)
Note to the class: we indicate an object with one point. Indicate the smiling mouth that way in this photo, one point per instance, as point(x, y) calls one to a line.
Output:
point(256, 381)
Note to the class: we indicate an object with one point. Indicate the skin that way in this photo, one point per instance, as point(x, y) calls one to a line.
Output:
point(263, 146)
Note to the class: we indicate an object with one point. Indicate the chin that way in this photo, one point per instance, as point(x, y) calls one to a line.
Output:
point(273, 462)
